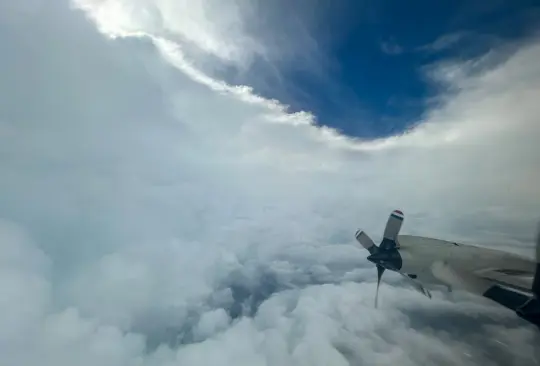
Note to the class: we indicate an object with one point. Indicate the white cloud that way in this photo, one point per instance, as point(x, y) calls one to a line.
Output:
point(221, 37)
point(391, 48)
point(155, 204)
point(208, 25)
point(444, 42)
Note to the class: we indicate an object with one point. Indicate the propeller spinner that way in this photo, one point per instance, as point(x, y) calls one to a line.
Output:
point(386, 255)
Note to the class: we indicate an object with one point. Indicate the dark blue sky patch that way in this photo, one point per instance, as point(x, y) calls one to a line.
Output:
point(370, 82)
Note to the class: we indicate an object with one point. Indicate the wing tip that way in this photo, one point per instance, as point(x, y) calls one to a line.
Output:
point(397, 214)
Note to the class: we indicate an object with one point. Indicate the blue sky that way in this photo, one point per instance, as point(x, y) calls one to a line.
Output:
point(373, 83)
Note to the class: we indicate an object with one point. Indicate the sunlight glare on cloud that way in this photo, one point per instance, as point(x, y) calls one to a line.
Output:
point(212, 26)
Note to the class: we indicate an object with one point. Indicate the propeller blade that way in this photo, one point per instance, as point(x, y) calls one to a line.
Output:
point(365, 241)
point(380, 271)
point(393, 225)
point(417, 285)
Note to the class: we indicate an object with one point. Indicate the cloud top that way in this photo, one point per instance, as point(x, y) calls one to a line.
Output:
point(155, 215)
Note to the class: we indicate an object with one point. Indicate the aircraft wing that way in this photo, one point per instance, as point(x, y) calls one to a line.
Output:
point(511, 280)
point(496, 267)
point(517, 279)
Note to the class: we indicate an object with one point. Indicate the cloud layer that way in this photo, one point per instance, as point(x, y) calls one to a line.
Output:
point(154, 215)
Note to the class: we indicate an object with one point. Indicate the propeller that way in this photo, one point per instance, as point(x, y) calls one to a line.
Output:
point(380, 271)
point(386, 255)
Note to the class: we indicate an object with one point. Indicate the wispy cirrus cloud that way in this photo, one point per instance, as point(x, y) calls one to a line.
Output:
point(443, 42)
point(156, 215)
point(391, 48)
